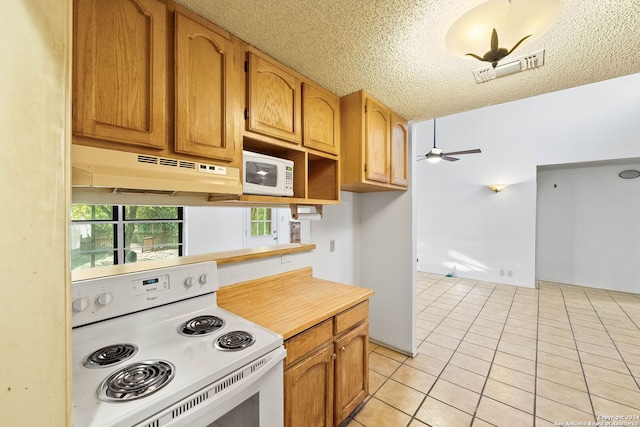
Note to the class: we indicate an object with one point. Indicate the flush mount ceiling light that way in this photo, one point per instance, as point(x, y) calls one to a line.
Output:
point(629, 174)
point(500, 26)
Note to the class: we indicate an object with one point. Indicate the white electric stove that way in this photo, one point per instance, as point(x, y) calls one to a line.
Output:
point(153, 349)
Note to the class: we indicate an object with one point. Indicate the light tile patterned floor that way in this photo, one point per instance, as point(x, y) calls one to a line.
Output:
point(497, 355)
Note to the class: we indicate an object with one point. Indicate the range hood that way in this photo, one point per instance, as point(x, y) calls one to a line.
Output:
point(109, 176)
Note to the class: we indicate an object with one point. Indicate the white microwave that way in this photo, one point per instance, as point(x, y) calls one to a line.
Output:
point(266, 175)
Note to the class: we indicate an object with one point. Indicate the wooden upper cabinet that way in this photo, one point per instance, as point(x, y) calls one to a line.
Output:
point(204, 61)
point(321, 118)
point(376, 143)
point(120, 61)
point(274, 100)
point(399, 150)
point(373, 145)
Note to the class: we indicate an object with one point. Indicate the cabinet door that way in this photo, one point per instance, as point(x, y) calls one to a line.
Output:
point(351, 371)
point(308, 391)
point(273, 100)
point(203, 76)
point(399, 150)
point(120, 71)
point(377, 126)
point(321, 118)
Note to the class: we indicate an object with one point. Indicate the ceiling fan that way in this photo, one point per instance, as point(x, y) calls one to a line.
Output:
point(436, 154)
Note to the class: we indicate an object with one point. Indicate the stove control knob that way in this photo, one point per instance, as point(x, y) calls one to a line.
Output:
point(204, 278)
point(188, 282)
point(80, 304)
point(104, 299)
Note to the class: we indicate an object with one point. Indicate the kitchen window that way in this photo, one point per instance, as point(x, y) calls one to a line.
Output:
point(106, 235)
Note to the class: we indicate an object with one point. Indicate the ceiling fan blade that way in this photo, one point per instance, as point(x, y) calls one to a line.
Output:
point(421, 158)
point(451, 159)
point(457, 153)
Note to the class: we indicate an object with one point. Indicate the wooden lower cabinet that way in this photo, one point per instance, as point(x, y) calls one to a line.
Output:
point(326, 372)
point(308, 391)
point(351, 371)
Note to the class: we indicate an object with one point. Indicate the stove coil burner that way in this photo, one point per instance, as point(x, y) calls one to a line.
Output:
point(234, 341)
point(201, 325)
point(137, 380)
point(110, 355)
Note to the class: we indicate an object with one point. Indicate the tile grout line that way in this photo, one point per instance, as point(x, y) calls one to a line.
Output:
point(413, 417)
point(402, 363)
point(612, 340)
point(563, 357)
point(473, 416)
point(584, 375)
point(426, 395)
point(486, 380)
point(535, 380)
point(387, 378)
point(570, 310)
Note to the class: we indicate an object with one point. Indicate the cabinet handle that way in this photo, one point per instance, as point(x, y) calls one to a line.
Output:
point(334, 356)
point(341, 348)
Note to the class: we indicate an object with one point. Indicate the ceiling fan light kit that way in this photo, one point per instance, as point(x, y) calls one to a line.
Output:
point(494, 29)
point(436, 154)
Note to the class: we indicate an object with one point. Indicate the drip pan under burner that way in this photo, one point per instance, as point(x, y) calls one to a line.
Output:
point(110, 355)
point(201, 325)
point(234, 341)
point(137, 380)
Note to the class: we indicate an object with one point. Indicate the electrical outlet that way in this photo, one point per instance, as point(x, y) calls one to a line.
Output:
point(510, 273)
point(332, 245)
point(285, 259)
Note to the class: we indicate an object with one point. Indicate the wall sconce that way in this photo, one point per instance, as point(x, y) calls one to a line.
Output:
point(492, 30)
point(497, 187)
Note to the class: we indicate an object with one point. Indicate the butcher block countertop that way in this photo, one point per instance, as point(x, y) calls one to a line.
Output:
point(291, 302)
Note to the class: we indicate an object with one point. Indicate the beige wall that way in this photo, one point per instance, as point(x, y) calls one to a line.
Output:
point(34, 171)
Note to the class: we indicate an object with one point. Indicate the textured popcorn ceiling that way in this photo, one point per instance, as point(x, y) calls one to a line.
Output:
point(394, 49)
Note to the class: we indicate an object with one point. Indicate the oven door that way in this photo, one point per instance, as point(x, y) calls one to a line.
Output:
point(250, 397)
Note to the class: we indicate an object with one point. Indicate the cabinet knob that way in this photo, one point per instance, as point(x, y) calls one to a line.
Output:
point(341, 348)
point(334, 356)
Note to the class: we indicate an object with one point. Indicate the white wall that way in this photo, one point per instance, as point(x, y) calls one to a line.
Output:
point(462, 223)
point(216, 228)
point(213, 229)
point(388, 262)
point(35, 110)
point(341, 224)
point(374, 237)
point(587, 227)
point(255, 269)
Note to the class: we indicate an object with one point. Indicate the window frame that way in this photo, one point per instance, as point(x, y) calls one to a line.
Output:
point(264, 223)
point(119, 222)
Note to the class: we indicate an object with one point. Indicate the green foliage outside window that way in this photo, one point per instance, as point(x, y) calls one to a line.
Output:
point(106, 235)
point(261, 222)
